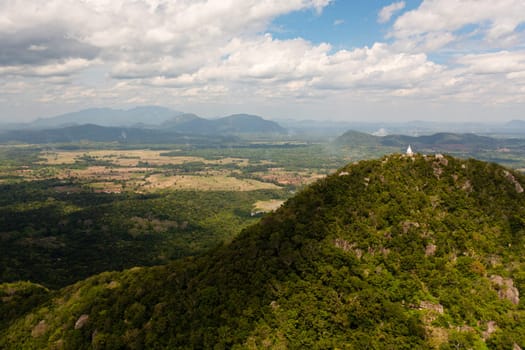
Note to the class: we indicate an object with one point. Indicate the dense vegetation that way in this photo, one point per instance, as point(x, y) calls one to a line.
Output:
point(403, 252)
point(54, 232)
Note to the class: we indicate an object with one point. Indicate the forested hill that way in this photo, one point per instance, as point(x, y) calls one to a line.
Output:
point(437, 142)
point(403, 252)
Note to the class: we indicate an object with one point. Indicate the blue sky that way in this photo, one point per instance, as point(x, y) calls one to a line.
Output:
point(450, 60)
point(345, 24)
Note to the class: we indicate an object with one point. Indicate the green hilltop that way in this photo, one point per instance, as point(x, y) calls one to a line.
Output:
point(403, 252)
point(439, 141)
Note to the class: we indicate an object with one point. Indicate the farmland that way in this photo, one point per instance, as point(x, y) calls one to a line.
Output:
point(68, 213)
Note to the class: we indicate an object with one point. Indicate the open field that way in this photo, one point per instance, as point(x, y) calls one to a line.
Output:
point(129, 158)
point(206, 183)
point(170, 168)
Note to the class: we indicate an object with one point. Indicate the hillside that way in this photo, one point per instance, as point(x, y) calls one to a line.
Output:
point(423, 252)
point(436, 142)
point(356, 138)
point(180, 129)
point(97, 133)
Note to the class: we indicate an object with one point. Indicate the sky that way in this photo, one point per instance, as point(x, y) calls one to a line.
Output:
point(351, 60)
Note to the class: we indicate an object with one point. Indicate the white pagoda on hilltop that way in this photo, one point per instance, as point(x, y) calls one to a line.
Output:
point(409, 151)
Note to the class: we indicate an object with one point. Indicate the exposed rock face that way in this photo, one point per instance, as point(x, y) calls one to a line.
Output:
point(430, 249)
point(39, 329)
point(467, 186)
point(506, 289)
point(513, 180)
point(433, 311)
point(343, 244)
point(491, 328)
point(82, 320)
point(427, 305)
point(347, 246)
point(407, 225)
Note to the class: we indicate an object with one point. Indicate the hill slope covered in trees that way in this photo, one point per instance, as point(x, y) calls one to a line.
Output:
point(403, 252)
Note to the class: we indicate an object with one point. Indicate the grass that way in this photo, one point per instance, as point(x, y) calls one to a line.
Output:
point(131, 158)
point(148, 170)
point(205, 183)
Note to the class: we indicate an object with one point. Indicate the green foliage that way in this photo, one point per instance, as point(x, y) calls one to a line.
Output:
point(18, 298)
point(55, 237)
point(399, 253)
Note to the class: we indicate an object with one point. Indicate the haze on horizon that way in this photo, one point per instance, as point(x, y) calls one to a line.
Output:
point(438, 60)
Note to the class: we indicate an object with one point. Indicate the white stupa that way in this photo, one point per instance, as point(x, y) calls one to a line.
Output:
point(409, 151)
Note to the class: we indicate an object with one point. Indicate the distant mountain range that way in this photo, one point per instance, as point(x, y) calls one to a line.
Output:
point(151, 117)
point(139, 125)
point(155, 117)
point(146, 115)
point(328, 128)
point(233, 124)
point(97, 133)
point(443, 142)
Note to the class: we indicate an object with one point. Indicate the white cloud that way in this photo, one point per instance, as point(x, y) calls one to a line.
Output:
point(494, 63)
point(497, 21)
point(388, 11)
point(63, 68)
point(217, 52)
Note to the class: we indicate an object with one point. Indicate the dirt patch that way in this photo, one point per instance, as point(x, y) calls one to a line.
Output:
point(267, 206)
point(40, 329)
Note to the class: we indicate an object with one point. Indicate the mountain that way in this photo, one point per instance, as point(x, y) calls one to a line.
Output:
point(148, 115)
point(419, 252)
point(331, 128)
point(138, 125)
point(180, 119)
point(442, 142)
point(98, 133)
point(246, 123)
point(233, 124)
point(357, 138)
point(516, 124)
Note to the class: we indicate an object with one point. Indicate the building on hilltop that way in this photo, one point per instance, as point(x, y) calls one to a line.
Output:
point(409, 151)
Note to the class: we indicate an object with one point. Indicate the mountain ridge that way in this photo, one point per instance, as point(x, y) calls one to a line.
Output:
point(97, 133)
point(401, 252)
point(442, 141)
point(138, 125)
point(232, 124)
point(110, 117)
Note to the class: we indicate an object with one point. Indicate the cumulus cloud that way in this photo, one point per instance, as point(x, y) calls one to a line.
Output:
point(213, 51)
point(388, 11)
point(135, 32)
point(34, 48)
point(495, 63)
point(496, 20)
